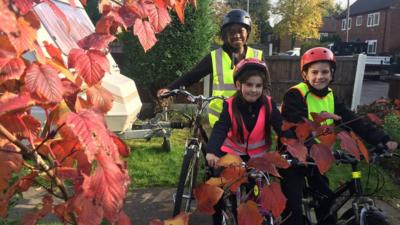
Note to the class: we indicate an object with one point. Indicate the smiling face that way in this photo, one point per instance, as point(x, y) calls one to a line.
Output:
point(319, 75)
point(236, 36)
point(252, 88)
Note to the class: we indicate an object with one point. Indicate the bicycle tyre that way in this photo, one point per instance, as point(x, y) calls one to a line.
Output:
point(187, 179)
point(228, 217)
point(373, 217)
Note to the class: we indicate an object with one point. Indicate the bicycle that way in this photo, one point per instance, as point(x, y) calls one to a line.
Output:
point(195, 151)
point(252, 190)
point(363, 210)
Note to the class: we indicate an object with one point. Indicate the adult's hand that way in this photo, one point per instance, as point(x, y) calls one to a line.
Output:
point(161, 92)
point(392, 145)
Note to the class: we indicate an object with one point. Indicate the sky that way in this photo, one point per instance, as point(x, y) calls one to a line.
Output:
point(343, 3)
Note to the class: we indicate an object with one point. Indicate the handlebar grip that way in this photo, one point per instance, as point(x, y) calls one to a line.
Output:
point(178, 125)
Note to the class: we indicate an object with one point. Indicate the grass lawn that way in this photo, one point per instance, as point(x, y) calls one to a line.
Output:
point(151, 166)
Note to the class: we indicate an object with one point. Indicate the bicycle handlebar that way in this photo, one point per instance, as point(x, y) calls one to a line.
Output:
point(190, 97)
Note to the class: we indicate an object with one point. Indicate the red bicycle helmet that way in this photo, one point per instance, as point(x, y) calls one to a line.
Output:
point(249, 63)
point(318, 54)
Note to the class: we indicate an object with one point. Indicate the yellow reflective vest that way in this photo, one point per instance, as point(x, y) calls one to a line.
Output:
point(315, 103)
point(223, 79)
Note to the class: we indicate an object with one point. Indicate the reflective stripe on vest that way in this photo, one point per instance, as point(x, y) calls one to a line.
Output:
point(317, 104)
point(223, 79)
point(254, 143)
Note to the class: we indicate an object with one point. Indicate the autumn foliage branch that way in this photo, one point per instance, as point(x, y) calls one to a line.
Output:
point(72, 145)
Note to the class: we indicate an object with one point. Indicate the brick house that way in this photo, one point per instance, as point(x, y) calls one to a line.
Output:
point(375, 22)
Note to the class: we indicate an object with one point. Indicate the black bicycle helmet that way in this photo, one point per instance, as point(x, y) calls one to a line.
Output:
point(237, 16)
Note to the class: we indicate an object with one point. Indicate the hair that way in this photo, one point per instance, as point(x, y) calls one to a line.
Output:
point(245, 75)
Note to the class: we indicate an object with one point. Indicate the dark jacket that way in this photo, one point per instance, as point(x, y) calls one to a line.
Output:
point(294, 109)
point(249, 112)
point(204, 68)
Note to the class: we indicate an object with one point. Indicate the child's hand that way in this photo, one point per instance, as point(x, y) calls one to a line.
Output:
point(392, 145)
point(212, 160)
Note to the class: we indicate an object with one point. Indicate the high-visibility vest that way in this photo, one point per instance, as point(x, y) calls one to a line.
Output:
point(254, 143)
point(315, 103)
point(223, 84)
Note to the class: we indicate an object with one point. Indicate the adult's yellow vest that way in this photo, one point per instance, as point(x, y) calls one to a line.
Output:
point(223, 84)
point(315, 103)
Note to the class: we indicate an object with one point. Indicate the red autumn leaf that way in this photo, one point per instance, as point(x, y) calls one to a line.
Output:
point(207, 197)
point(348, 144)
point(89, 211)
point(397, 103)
point(127, 15)
point(159, 16)
point(96, 41)
point(374, 118)
point(67, 173)
point(7, 50)
point(145, 33)
point(13, 69)
point(110, 196)
point(216, 181)
point(180, 9)
point(234, 177)
point(61, 211)
point(7, 18)
point(54, 52)
point(11, 161)
point(25, 182)
point(26, 38)
point(287, 125)
point(123, 149)
point(63, 151)
point(139, 7)
point(229, 160)
point(295, 148)
point(323, 116)
point(91, 132)
point(361, 146)
point(22, 126)
point(33, 217)
point(24, 6)
point(323, 156)
point(248, 214)
point(104, 24)
point(70, 92)
point(91, 64)
point(10, 102)
point(123, 219)
point(273, 199)
point(100, 98)
point(83, 2)
point(269, 162)
point(43, 81)
point(303, 131)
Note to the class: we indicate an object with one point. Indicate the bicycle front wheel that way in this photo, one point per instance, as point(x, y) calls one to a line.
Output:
point(187, 180)
point(228, 218)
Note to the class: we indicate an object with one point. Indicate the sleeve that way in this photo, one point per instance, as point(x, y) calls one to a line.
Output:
point(361, 126)
point(202, 69)
point(276, 122)
point(294, 108)
point(219, 132)
point(268, 87)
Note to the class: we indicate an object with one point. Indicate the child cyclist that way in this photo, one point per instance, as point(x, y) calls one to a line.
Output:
point(318, 66)
point(244, 126)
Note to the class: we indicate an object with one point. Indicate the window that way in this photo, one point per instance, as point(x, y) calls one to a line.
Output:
point(358, 21)
point(349, 27)
point(373, 19)
point(372, 44)
point(344, 24)
point(323, 35)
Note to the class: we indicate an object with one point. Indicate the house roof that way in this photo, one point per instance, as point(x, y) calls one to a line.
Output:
point(364, 6)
